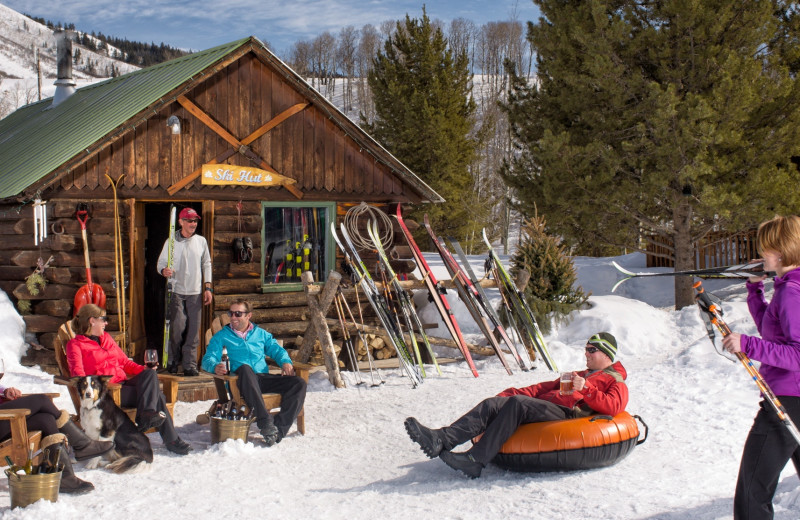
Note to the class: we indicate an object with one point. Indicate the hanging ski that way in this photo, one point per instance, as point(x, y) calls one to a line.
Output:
point(731, 271)
point(521, 309)
point(467, 294)
point(709, 306)
point(407, 306)
point(436, 293)
point(168, 293)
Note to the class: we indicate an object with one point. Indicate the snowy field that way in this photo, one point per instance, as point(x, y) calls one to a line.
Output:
point(356, 461)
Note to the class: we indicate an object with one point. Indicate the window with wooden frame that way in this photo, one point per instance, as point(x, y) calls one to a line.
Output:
point(296, 239)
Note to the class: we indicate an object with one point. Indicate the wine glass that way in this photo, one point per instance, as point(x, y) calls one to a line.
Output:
point(2, 368)
point(151, 358)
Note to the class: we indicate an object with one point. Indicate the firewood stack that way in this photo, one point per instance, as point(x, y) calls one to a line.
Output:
point(379, 348)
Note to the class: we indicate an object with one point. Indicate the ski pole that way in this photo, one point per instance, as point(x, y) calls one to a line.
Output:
point(707, 305)
point(372, 367)
point(347, 340)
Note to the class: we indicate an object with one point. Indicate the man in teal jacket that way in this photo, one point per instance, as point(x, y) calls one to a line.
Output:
point(248, 345)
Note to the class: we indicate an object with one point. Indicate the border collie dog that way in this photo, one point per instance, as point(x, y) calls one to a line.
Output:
point(103, 420)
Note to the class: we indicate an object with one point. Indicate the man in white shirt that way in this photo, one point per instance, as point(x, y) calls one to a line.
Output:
point(190, 278)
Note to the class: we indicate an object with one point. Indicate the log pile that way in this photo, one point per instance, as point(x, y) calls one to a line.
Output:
point(378, 347)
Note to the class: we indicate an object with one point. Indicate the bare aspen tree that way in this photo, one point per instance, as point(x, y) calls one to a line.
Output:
point(461, 36)
point(368, 47)
point(348, 40)
point(300, 59)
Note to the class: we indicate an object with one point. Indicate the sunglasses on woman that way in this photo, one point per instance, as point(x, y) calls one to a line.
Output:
point(238, 314)
point(104, 318)
point(592, 350)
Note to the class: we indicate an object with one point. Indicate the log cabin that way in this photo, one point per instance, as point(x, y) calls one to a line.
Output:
point(231, 132)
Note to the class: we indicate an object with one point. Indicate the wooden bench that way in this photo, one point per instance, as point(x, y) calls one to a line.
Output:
point(169, 382)
point(227, 387)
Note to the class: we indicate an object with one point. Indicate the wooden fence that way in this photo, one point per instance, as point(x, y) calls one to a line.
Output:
point(715, 250)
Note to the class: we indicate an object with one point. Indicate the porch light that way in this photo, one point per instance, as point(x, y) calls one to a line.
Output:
point(174, 124)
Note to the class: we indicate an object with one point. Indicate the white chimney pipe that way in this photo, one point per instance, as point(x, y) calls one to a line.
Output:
point(65, 85)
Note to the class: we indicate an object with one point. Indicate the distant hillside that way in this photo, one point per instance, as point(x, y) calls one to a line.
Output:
point(24, 40)
point(135, 53)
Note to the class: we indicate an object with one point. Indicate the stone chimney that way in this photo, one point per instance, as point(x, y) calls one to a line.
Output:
point(65, 85)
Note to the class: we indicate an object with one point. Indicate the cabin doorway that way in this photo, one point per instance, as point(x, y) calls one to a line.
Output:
point(155, 220)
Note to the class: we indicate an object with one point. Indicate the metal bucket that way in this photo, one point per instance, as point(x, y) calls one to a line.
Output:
point(27, 489)
point(224, 429)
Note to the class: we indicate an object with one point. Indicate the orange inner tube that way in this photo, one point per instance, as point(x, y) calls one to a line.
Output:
point(571, 434)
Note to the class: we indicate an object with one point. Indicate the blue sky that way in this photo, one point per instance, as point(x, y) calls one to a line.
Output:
point(200, 25)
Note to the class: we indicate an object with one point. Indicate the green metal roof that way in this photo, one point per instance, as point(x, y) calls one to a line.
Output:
point(38, 138)
point(38, 141)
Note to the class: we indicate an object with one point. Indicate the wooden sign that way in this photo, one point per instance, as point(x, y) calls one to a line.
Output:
point(230, 174)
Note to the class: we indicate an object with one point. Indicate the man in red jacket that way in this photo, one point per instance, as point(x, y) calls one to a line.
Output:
point(599, 389)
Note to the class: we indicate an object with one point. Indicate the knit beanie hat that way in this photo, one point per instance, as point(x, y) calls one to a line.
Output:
point(606, 343)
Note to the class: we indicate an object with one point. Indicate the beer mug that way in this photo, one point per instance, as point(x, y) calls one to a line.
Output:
point(566, 383)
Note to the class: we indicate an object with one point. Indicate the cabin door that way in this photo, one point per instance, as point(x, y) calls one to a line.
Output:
point(152, 230)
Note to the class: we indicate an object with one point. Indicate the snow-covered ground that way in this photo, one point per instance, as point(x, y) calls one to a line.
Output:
point(356, 460)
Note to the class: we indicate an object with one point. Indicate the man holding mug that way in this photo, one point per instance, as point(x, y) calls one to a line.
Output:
point(600, 388)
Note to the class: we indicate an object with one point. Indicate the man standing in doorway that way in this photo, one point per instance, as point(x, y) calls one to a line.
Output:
point(191, 289)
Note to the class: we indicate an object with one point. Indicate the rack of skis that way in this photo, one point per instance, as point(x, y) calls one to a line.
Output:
point(395, 310)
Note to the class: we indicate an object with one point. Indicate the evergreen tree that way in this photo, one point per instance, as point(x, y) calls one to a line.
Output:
point(424, 115)
point(668, 118)
point(551, 292)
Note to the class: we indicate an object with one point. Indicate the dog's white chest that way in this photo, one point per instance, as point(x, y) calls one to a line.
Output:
point(92, 422)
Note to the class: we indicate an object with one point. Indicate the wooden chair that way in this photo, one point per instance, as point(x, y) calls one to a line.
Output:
point(169, 382)
point(227, 387)
point(21, 439)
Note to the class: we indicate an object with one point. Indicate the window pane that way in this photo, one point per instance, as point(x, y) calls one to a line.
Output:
point(295, 242)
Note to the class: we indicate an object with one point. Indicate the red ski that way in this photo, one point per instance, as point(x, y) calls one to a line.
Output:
point(439, 299)
point(469, 296)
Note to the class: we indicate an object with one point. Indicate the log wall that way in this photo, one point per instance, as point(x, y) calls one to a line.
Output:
point(66, 273)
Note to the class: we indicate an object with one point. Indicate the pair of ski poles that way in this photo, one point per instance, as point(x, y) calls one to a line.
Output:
point(714, 313)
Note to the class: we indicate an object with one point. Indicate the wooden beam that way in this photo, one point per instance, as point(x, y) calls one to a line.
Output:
point(240, 146)
point(275, 121)
point(198, 112)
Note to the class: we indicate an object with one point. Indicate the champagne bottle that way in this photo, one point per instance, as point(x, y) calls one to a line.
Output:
point(243, 413)
point(226, 360)
point(13, 468)
point(55, 466)
point(29, 463)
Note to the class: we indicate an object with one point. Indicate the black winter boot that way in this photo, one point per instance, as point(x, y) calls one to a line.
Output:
point(462, 462)
point(70, 484)
point(429, 440)
point(83, 446)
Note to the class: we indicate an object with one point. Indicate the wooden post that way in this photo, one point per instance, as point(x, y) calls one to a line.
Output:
point(311, 333)
point(325, 340)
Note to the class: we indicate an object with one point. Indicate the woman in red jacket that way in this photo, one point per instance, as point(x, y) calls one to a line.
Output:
point(94, 352)
point(598, 389)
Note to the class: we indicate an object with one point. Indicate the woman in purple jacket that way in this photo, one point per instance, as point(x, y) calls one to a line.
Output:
point(769, 444)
